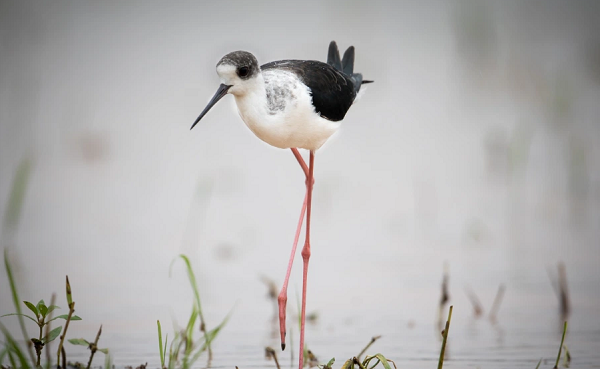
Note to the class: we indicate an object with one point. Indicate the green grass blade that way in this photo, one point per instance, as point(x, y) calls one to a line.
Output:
point(165, 349)
point(15, 297)
point(3, 353)
point(17, 195)
point(384, 361)
point(160, 345)
point(192, 278)
point(561, 345)
point(13, 347)
point(189, 331)
point(211, 336)
point(13, 363)
point(174, 350)
point(379, 359)
point(539, 363)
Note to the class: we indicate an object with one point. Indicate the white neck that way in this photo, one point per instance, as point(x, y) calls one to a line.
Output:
point(252, 100)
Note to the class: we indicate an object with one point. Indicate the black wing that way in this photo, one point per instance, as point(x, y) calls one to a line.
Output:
point(332, 91)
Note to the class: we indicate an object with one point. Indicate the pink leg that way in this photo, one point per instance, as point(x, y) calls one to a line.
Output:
point(306, 252)
point(300, 161)
point(282, 299)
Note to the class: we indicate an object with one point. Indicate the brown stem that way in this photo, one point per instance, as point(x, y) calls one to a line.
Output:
point(94, 347)
point(64, 358)
point(367, 346)
point(39, 344)
point(62, 337)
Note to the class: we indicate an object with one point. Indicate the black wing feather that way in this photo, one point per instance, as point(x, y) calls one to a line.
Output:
point(348, 61)
point(332, 91)
point(333, 56)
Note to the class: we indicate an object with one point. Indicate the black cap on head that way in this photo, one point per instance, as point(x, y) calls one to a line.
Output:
point(244, 62)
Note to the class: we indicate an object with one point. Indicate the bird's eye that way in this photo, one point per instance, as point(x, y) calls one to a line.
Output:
point(243, 71)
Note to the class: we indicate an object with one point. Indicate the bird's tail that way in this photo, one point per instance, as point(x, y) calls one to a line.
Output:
point(346, 64)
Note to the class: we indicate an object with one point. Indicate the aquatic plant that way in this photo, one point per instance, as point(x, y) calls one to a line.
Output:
point(92, 346)
point(42, 317)
point(184, 346)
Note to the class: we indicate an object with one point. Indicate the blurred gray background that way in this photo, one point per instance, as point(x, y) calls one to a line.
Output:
point(477, 146)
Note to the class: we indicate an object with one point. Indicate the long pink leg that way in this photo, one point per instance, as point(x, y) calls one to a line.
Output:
point(282, 299)
point(306, 252)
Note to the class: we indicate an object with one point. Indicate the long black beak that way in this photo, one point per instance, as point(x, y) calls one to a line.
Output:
point(222, 91)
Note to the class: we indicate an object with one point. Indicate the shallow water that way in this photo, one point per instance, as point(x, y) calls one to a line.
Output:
point(526, 332)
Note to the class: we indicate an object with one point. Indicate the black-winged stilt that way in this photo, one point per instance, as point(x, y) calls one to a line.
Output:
point(291, 104)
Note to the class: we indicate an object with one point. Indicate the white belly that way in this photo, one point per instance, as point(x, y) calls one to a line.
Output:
point(282, 113)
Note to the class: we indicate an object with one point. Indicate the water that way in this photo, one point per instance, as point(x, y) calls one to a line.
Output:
point(528, 327)
point(477, 147)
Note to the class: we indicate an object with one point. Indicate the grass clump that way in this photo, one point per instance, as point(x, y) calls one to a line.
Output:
point(185, 349)
point(368, 363)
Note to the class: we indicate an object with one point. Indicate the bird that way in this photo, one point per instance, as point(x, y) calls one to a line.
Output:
point(291, 104)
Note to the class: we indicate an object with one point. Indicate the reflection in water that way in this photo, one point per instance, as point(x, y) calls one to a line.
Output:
point(496, 304)
point(444, 299)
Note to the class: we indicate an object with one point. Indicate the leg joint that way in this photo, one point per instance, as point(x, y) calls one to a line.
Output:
point(306, 252)
point(282, 298)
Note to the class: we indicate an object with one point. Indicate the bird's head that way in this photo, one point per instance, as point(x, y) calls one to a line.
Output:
point(238, 71)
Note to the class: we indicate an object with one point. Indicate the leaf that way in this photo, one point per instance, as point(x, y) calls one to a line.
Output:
point(349, 364)
point(52, 335)
point(32, 308)
point(51, 308)
point(25, 315)
point(65, 317)
point(379, 358)
point(107, 362)
point(79, 341)
point(42, 308)
point(104, 350)
point(329, 364)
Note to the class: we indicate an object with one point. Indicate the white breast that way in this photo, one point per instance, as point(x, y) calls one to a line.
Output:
point(278, 109)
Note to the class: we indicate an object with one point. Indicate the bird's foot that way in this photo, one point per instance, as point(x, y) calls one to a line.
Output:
point(282, 302)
